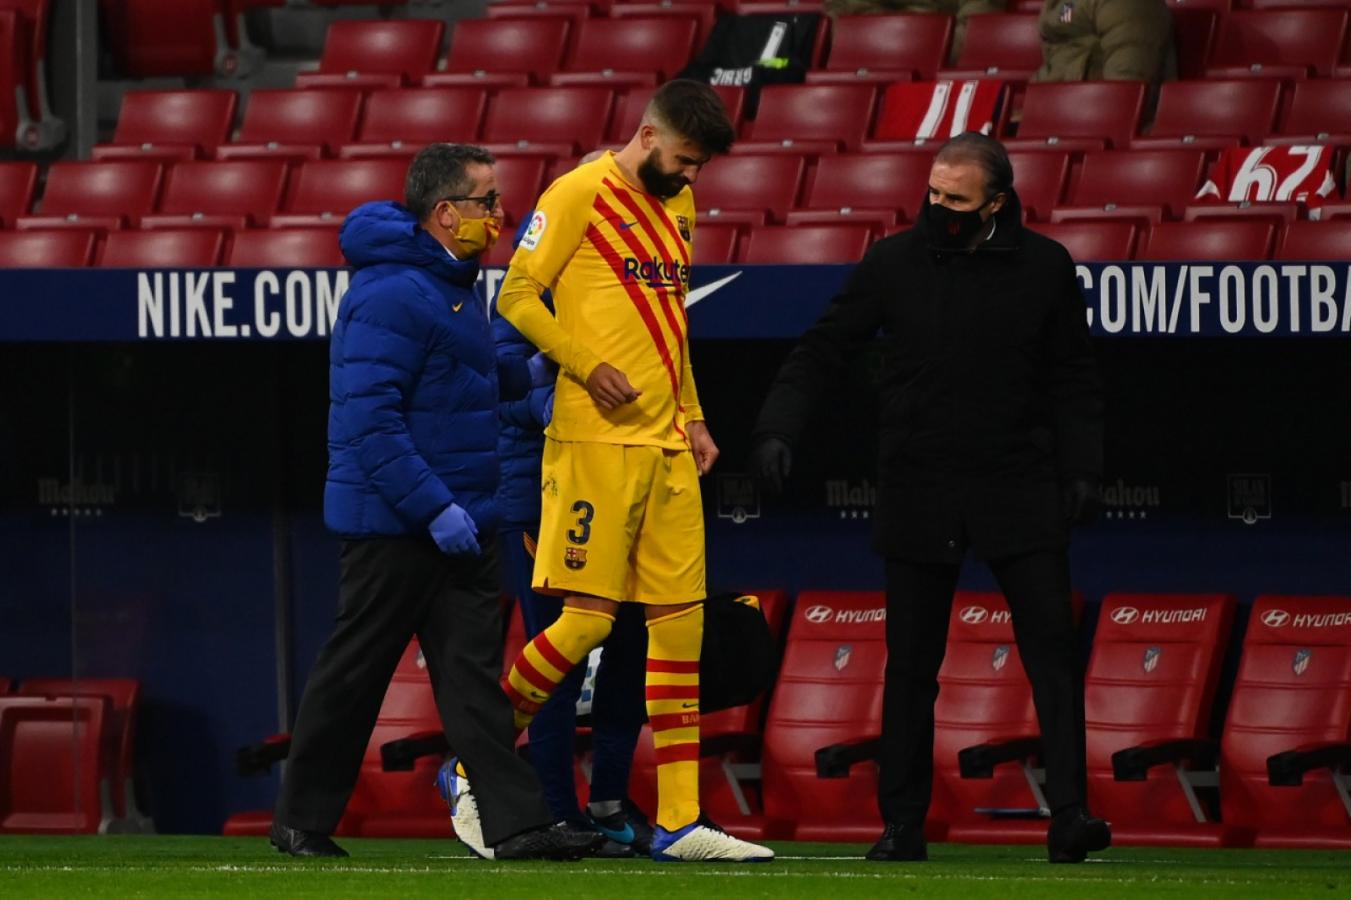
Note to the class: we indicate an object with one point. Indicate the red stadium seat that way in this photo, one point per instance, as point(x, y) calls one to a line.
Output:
point(1126, 183)
point(285, 248)
point(96, 195)
point(715, 244)
point(170, 125)
point(1212, 115)
point(810, 119)
point(18, 182)
point(873, 188)
point(520, 181)
point(629, 109)
point(1278, 43)
point(325, 191)
point(1039, 178)
point(67, 248)
point(983, 697)
point(886, 48)
point(560, 10)
point(289, 124)
point(1278, 215)
point(380, 53)
point(704, 14)
point(5, 685)
point(388, 804)
point(167, 37)
point(232, 194)
point(1211, 240)
point(1152, 679)
point(1006, 45)
point(829, 692)
point(166, 248)
point(747, 189)
point(1319, 113)
point(1088, 115)
point(23, 47)
point(502, 52)
point(1292, 693)
point(775, 244)
point(118, 754)
point(1092, 241)
point(628, 51)
point(399, 121)
point(1317, 241)
point(50, 778)
point(914, 113)
point(555, 121)
point(1194, 30)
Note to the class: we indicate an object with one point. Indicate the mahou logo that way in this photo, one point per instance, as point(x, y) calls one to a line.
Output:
point(1125, 615)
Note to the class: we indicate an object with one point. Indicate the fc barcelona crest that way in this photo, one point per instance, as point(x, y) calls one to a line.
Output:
point(1000, 658)
point(1151, 661)
point(1301, 663)
point(574, 558)
point(842, 654)
point(683, 226)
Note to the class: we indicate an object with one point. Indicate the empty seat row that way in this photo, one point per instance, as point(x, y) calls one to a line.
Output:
point(803, 119)
point(172, 248)
point(1151, 688)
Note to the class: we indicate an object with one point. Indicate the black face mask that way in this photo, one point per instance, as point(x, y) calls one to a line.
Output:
point(658, 183)
point(953, 229)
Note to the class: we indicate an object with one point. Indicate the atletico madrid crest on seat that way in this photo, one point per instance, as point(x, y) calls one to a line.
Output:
point(1151, 661)
point(842, 654)
point(1000, 658)
point(574, 558)
point(1301, 663)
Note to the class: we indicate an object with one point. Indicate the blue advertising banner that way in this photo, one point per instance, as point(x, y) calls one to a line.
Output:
point(1214, 299)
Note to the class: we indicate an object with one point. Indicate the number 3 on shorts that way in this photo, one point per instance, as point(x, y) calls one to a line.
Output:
point(587, 512)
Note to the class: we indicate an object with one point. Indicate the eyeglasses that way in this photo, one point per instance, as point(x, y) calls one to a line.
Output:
point(489, 201)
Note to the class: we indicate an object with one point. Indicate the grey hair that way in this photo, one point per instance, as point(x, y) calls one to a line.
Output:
point(985, 152)
point(440, 171)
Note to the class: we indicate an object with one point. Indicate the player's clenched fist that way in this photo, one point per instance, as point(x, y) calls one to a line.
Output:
point(610, 388)
point(701, 443)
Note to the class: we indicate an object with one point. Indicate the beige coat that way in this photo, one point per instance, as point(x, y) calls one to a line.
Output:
point(1089, 40)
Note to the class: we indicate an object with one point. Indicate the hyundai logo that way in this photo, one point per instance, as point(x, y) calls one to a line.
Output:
point(974, 615)
point(1275, 618)
point(1125, 615)
point(818, 614)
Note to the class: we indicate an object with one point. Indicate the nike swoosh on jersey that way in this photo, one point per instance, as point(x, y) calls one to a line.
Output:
point(625, 226)
point(700, 293)
point(456, 307)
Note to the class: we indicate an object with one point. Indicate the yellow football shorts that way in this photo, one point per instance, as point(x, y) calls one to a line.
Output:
point(623, 522)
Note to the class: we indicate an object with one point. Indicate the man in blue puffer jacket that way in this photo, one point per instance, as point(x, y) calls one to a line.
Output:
point(413, 469)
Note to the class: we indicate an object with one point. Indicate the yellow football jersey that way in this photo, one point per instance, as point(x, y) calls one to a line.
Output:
point(617, 260)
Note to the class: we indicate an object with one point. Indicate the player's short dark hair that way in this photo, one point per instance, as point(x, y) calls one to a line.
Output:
point(694, 111)
point(440, 171)
point(984, 151)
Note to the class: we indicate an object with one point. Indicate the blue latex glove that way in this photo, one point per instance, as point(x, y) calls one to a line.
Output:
point(543, 370)
point(454, 531)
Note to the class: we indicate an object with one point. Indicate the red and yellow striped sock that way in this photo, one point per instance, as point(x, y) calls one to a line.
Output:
point(673, 643)
point(548, 658)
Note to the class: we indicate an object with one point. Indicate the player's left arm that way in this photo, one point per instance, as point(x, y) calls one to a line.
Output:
point(701, 441)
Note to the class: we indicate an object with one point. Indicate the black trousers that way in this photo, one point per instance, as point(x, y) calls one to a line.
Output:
point(389, 590)
point(919, 601)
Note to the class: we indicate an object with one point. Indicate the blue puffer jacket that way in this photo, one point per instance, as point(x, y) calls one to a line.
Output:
point(413, 384)
point(521, 443)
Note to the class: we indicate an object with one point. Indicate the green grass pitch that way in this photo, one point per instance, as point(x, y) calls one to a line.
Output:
point(150, 866)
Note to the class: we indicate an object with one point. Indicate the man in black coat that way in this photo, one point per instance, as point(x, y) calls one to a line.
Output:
point(990, 439)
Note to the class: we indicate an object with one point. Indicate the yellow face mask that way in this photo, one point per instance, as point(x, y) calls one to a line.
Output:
point(478, 236)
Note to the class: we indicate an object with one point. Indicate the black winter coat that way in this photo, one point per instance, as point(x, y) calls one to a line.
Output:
point(990, 399)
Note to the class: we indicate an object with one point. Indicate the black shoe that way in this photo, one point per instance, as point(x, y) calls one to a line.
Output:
point(900, 843)
point(623, 830)
point(1074, 834)
point(303, 843)
point(550, 842)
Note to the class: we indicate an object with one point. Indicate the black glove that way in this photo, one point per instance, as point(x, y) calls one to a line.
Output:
point(1080, 501)
point(771, 461)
